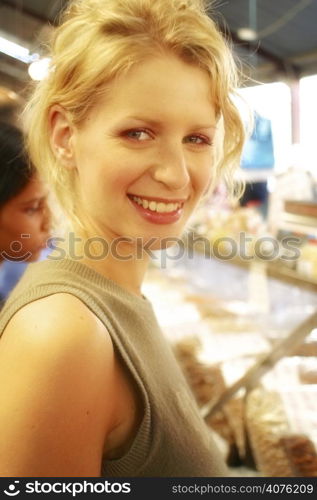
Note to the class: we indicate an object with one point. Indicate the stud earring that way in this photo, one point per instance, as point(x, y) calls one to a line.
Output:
point(63, 157)
point(60, 152)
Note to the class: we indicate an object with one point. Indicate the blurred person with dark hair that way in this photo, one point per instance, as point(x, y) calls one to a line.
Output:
point(24, 218)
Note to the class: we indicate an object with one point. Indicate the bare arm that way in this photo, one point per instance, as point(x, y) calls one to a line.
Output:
point(57, 390)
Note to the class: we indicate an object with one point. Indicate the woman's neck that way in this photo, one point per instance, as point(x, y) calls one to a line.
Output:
point(129, 275)
point(122, 264)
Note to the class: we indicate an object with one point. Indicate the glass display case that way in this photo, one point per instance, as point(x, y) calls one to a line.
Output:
point(223, 318)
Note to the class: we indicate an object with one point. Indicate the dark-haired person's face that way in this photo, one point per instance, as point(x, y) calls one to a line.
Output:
point(24, 223)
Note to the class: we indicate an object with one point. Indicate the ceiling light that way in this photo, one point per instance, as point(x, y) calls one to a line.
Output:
point(247, 34)
point(17, 51)
point(39, 69)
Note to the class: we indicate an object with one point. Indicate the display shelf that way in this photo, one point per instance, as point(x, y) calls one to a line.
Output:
point(224, 327)
point(307, 208)
point(301, 224)
point(274, 269)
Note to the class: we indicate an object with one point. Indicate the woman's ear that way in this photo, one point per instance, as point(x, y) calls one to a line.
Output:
point(61, 136)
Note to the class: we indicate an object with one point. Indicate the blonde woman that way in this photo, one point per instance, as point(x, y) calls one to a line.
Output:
point(124, 129)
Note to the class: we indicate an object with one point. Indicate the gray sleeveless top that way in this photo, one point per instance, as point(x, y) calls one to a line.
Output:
point(172, 439)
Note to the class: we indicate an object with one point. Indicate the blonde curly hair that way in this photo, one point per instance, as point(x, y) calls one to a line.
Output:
point(100, 39)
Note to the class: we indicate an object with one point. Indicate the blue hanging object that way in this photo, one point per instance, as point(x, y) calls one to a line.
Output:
point(258, 151)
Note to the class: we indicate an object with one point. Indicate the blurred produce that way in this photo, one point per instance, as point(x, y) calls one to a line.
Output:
point(278, 452)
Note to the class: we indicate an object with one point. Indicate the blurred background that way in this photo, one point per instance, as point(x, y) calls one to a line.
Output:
point(230, 299)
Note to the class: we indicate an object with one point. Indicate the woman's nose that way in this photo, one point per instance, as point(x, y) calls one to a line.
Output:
point(171, 169)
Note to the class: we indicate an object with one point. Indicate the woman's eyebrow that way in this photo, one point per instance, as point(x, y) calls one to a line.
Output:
point(144, 119)
point(158, 123)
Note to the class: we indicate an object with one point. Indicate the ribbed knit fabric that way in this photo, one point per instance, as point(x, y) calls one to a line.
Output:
point(172, 439)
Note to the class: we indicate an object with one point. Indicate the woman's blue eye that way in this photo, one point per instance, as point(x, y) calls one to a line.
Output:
point(198, 139)
point(139, 135)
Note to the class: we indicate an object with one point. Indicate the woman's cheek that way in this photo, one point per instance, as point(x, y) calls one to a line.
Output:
point(32, 224)
point(205, 179)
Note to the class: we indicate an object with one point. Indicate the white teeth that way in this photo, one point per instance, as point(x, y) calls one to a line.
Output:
point(171, 207)
point(152, 206)
point(157, 207)
point(161, 208)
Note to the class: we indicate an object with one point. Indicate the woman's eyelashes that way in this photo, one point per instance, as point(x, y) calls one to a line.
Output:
point(139, 135)
point(199, 140)
point(142, 135)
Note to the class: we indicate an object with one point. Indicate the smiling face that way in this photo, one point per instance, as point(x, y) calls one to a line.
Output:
point(144, 155)
point(24, 223)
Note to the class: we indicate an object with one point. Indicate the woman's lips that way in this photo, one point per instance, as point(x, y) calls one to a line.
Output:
point(158, 210)
point(158, 199)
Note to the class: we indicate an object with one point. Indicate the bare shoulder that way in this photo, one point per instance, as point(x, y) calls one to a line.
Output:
point(54, 314)
point(57, 373)
point(61, 327)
